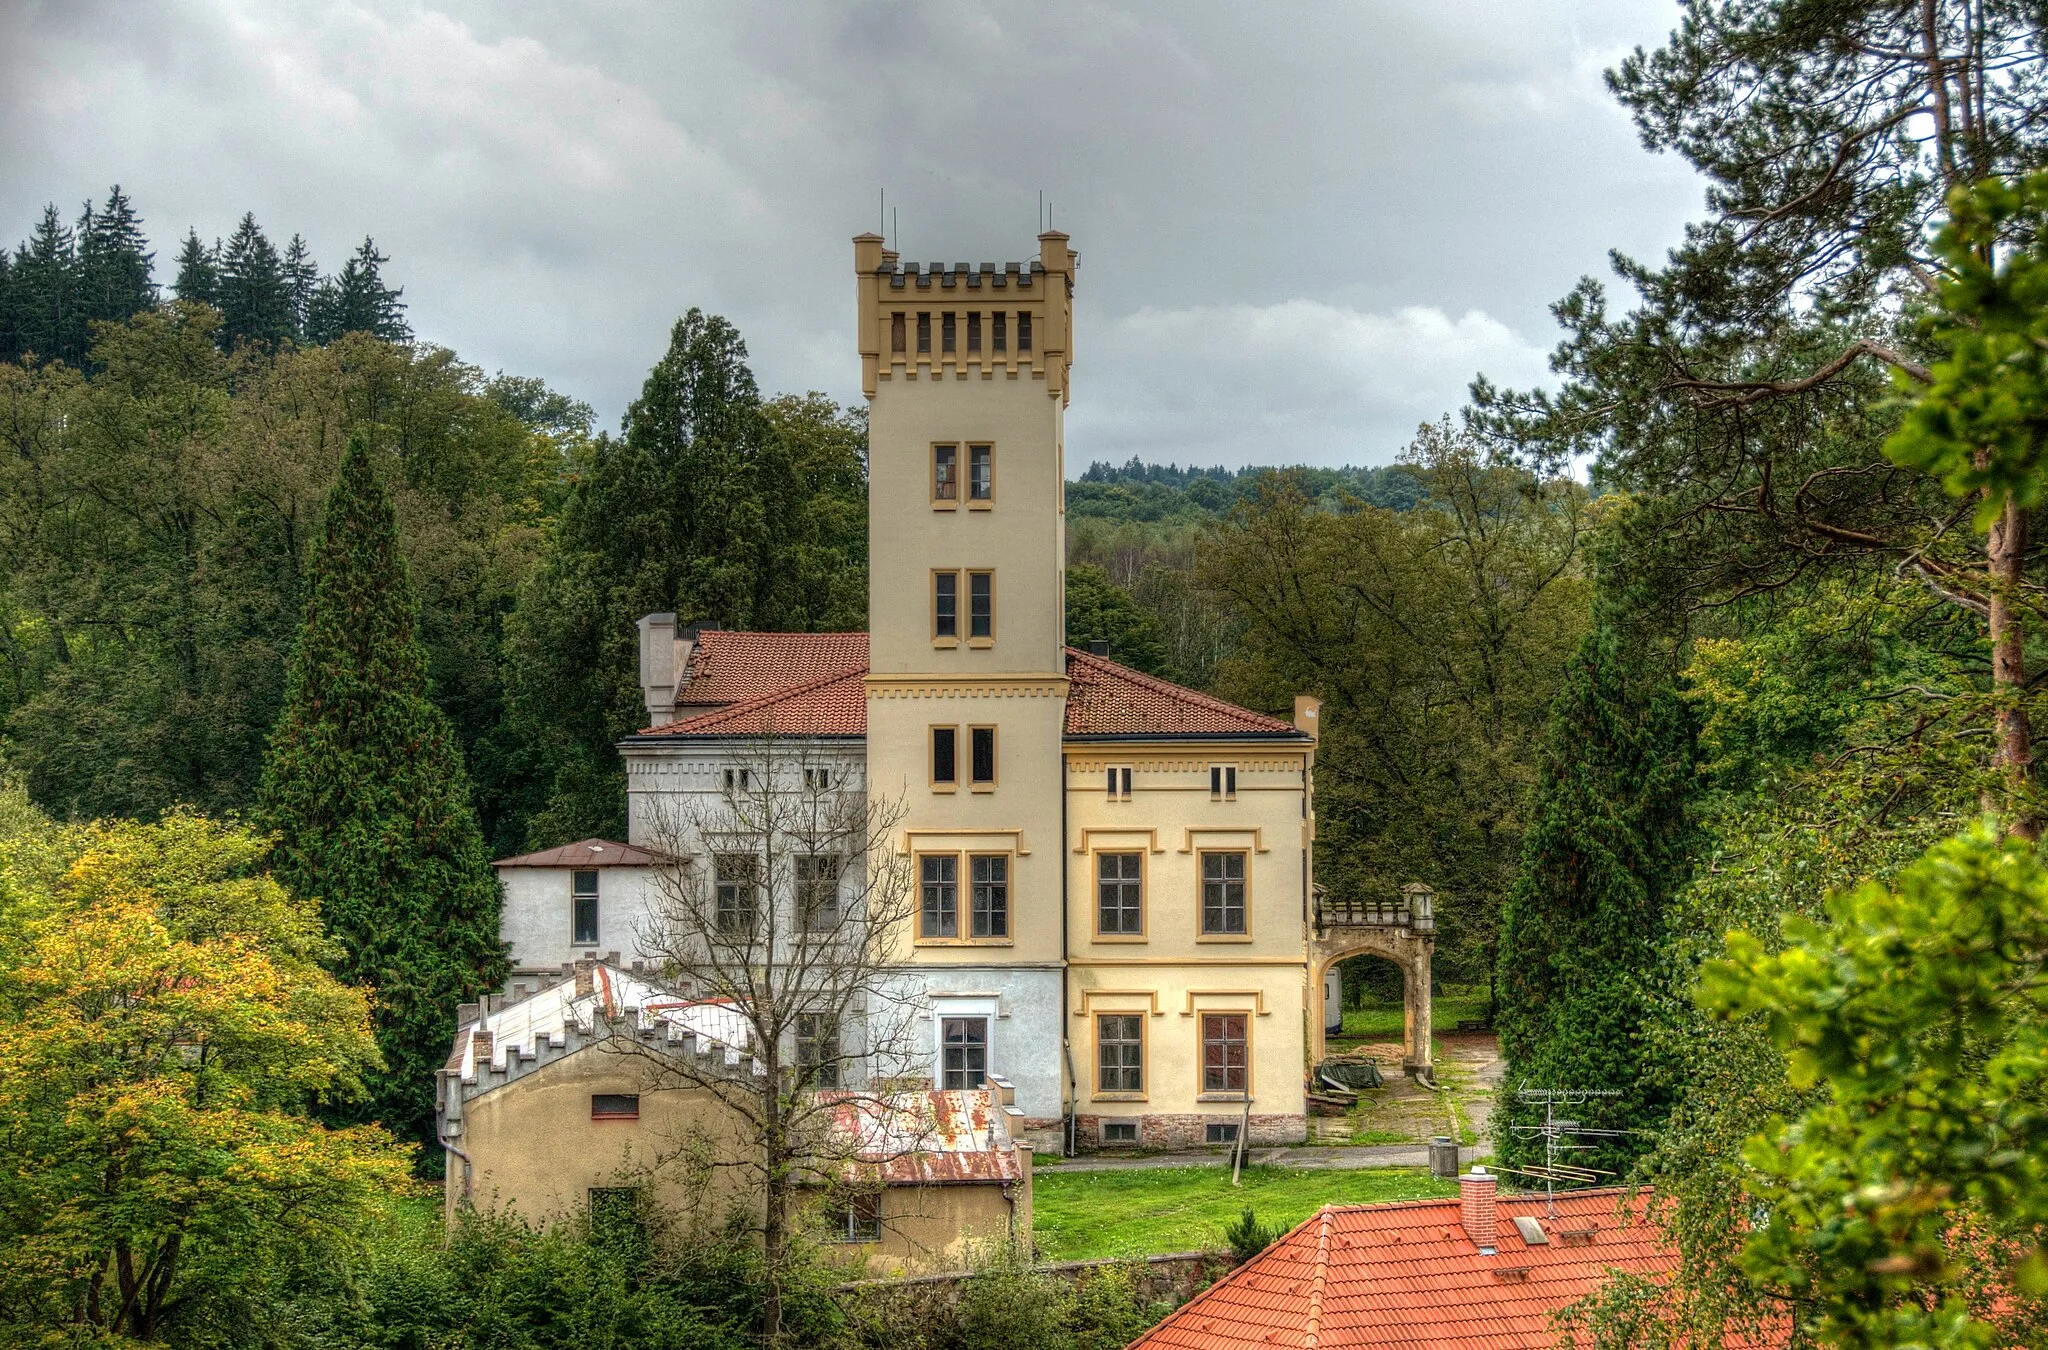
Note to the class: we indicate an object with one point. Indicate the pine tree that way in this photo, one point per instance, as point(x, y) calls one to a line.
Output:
point(114, 262)
point(301, 280)
point(365, 788)
point(44, 295)
point(1581, 929)
point(9, 349)
point(356, 300)
point(255, 302)
point(198, 271)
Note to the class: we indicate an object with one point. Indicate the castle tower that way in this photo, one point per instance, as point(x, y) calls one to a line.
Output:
point(966, 373)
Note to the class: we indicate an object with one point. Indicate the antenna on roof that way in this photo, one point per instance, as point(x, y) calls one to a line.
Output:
point(1561, 1136)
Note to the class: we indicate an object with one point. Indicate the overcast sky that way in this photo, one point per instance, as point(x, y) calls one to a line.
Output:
point(1303, 228)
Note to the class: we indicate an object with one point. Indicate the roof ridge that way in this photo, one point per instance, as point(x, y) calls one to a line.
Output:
point(1318, 1281)
point(1177, 690)
point(760, 700)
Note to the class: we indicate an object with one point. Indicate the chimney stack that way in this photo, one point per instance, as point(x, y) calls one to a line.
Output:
point(1475, 1208)
point(1308, 714)
point(662, 660)
point(586, 978)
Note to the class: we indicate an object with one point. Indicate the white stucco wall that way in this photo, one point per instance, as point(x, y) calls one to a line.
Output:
point(536, 916)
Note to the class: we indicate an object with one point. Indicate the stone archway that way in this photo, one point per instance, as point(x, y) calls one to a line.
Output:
point(1402, 931)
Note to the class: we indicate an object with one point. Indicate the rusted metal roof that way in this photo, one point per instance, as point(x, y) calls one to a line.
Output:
point(931, 1138)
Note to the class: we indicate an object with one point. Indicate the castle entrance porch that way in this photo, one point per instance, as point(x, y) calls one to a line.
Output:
point(1400, 929)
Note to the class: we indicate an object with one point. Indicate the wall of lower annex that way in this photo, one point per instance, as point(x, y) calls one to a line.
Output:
point(1241, 948)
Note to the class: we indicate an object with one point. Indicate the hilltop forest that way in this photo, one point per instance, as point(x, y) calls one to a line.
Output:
point(1718, 749)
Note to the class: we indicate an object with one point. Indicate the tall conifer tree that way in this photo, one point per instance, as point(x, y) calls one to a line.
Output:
point(44, 296)
point(356, 300)
point(255, 300)
point(301, 280)
point(1581, 928)
point(365, 788)
point(198, 271)
point(114, 262)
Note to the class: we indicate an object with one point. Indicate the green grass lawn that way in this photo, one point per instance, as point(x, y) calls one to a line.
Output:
point(1382, 1021)
point(1081, 1215)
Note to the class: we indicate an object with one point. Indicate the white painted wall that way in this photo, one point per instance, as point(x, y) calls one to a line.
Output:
point(536, 914)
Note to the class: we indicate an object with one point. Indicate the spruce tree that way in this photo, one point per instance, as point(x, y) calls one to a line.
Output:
point(44, 295)
point(365, 788)
point(198, 271)
point(255, 301)
point(1581, 929)
point(356, 300)
point(114, 263)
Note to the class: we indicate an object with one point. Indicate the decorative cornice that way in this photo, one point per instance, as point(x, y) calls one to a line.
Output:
point(967, 686)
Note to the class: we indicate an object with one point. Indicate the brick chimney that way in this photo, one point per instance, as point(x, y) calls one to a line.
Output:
point(481, 1041)
point(586, 978)
point(1475, 1208)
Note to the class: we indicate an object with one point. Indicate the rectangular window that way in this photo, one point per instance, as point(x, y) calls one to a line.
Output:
point(945, 473)
point(818, 780)
point(858, 1218)
point(981, 743)
point(817, 1049)
point(945, 604)
point(1221, 1134)
point(896, 343)
point(974, 330)
point(939, 878)
point(963, 1053)
point(945, 760)
point(1119, 1131)
point(1226, 1054)
point(990, 873)
point(1120, 1052)
point(996, 334)
point(817, 891)
point(583, 906)
point(737, 780)
point(615, 1106)
point(981, 604)
point(1223, 893)
point(1223, 782)
point(1119, 783)
point(924, 333)
point(1120, 893)
point(734, 897)
point(1023, 331)
point(946, 336)
point(981, 473)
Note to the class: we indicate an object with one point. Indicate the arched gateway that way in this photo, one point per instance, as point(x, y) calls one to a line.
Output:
point(1401, 930)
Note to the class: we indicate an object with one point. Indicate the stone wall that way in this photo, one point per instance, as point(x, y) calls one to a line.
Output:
point(1172, 1277)
point(1181, 1132)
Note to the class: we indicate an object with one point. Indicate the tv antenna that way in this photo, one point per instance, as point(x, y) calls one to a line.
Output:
point(1560, 1135)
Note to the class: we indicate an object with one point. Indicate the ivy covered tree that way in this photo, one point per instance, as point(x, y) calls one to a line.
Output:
point(365, 789)
point(1580, 931)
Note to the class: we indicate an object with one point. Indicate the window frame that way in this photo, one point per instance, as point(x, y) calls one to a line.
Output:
point(1103, 1127)
point(973, 332)
point(998, 330)
point(1203, 933)
point(805, 889)
point(1117, 784)
point(1223, 781)
point(987, 639)
point(719, 881)
point(1122, 1094)
point(576, 898)
point(899, 333)
point(823, 1032)
point(949, 333)
point(854, 1219)
point(1096, 881)
point(987, 1034)
point(988, 784)
point(1023, 330)
point(931, 745)
point(924, 332)
point(924, 912)
point(940, 618)
point(967, 484)
point(624, 1106)
point(975, 916)
point(938, 481)
point(1203, 1091)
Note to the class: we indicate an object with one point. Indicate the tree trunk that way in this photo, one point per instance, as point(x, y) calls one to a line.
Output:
point(2007, 548)
point(775, 1213)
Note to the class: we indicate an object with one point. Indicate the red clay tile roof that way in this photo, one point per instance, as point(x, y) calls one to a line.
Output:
point(811, 684)
point(1106, 699)
point(584, 853)
point(1407, 1275)
point(830, 705)
point(735, 667)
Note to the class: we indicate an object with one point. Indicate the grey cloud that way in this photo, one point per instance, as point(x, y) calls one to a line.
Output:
point(1387, 194)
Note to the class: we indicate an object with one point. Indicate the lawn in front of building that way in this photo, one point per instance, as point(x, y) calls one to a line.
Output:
point(1141, 1211)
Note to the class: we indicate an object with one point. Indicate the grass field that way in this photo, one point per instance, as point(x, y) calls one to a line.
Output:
point(1080, 1215)
point(1381, 1021)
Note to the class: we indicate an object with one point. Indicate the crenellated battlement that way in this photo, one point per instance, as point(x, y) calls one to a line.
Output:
point(965, 320)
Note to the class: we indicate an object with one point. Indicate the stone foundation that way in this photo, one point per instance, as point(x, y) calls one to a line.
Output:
point(1181, 1132)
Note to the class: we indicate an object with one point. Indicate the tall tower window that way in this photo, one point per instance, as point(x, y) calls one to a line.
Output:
point(981, 605)
point(981, 473)
point(945, 473)
point(1023, 330)
point(896, 336)
point(583, 907)
point(997, 322)
point(974, 330)
point(945, 758)
point(945, 604)
point(947, 337)
point(924, 332)
point(981, 743)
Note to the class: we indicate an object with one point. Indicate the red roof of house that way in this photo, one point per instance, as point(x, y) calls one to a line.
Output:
point(584, 853)
point(738, 667)
point(1407, 1274)
point(812, 684)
